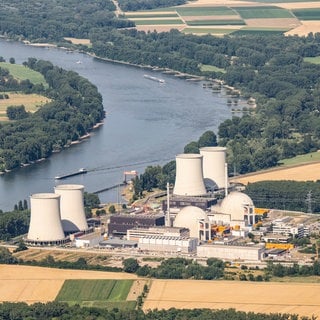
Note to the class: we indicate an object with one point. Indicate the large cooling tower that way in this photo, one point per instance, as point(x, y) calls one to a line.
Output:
point(45, 223)
point(73, 216)
point(214, 166)
point(189, 177)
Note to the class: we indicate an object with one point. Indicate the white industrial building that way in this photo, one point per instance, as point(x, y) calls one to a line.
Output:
point(284, 227)
point(73, 216)
point(168, 244)
point(88, 240)
point(136, 233)
point(45, 223)
point(231, 252)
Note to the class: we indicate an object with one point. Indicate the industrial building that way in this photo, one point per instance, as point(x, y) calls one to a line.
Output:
point(178, 202)
point(120, 223)
point(137, 233)
point(88, 240)
point(231, 252)
point(168, 244)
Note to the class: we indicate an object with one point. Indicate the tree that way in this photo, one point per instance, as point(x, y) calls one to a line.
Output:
point(112, 209)
point(12, 60)
point(207, 139)
point(130, 265)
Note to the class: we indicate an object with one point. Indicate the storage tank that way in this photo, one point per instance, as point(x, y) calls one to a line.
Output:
point(45, 223)
point(214, 167)
point(189, 177)
point(73, 216)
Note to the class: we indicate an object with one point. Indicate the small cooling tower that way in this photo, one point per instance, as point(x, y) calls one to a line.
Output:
point(73, 216)
point(214, 167)
point(45, 224)
point(189, 177)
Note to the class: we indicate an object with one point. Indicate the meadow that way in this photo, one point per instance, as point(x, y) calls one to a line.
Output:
point(307, 14)
point(97, 293)
point(23, 73)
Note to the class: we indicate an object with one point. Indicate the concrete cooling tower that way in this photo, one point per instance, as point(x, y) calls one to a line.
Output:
point(73, 216)
point(214, 167)
point(189, 177)
point(45, 224)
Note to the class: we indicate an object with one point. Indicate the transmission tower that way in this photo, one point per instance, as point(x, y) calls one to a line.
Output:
point(309, 201)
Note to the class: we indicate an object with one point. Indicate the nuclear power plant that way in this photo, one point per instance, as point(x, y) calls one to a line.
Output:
point(203, 215)
point(55, 215)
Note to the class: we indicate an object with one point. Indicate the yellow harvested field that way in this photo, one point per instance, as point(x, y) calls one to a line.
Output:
point(264, 297)
point(79, 41)
point(37, 284)
point(305, 28)
point(306, 172)
point(299, 5)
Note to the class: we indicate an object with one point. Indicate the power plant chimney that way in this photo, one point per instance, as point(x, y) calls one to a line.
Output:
point(214, 168)
point(189, 177)
point(73, 216)
point(45, 224)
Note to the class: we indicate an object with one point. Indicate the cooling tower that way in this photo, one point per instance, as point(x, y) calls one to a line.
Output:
point(189, 177)
point(214, 168)
point(73, 216)
point(45, 223)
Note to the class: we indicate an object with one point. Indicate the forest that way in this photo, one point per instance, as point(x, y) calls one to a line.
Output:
point(75, 107)
point(57, 310)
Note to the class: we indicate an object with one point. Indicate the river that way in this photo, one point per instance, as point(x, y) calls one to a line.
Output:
point(147, 123)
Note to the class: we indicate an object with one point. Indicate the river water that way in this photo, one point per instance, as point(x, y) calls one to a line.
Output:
point(147, 123)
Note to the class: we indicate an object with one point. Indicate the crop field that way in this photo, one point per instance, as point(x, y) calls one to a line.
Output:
point(263, 12)
point(215, 22)
point(37, 284)
point(216, 31)
point(151, 15)
point(270, 17)
point(307, 14)
point(205, 11)
point(98, 293)
point(158, 21)
point(266, 297)
point(32, 102)
point(22, 73)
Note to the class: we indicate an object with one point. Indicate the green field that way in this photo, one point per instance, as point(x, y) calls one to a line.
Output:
point(315, 60)
point(98, 293)
point(207, 30)
point(265, 12)
point(206, 67)
point(146, 22)
point(303, 158)
point(215, 22)
point(307, 14)
point(205, 11)
point(21, 72)
point(262, 31)
point(152, 15)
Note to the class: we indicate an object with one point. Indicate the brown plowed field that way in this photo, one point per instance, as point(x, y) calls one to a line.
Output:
point(265, 297)
point(37, 284)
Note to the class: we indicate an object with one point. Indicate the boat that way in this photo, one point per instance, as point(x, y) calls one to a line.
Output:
point(80, 171)
point(79, 62)
point(153, 78)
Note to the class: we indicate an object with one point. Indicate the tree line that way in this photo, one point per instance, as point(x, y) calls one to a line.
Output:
point(59, 310)
point(75, 107)
point(286, 195)
point(127, 5)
